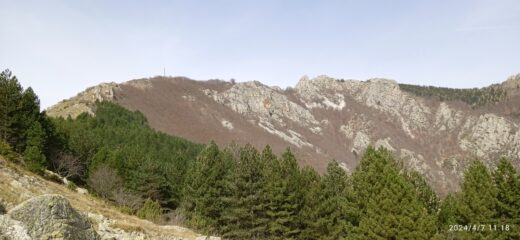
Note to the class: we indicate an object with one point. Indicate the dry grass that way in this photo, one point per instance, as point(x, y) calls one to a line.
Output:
point(7, 194)
point(128, 227)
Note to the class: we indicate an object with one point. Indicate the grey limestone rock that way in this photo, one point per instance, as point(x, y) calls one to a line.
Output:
point(47, 217)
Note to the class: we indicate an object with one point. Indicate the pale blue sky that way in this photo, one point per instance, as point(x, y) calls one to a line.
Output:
point(61, 47)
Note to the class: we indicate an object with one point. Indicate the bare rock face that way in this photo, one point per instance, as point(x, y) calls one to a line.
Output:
point(490, 135)
point(384, 143)
point(84, 101)
point(415, 161)
point(385, 95)
point(12, 230)
point(381, 94)
point(512, 82)
point(447, 119)
point(361, 142)
point(312, 93)
point(47, 217)
point(254, 99)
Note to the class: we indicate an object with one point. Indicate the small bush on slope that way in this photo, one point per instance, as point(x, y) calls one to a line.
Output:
point(151, 210)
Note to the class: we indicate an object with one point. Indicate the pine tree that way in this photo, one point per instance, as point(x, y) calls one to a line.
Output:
point(34, 159)
point(479, 195)
point(311, 182)
point(448, 213)
point(203, 191)
point(245, 217)
point(477, 203)
point(36, 136)
point(294, 193)
point(390, 208)
point(272, 192)
point(367, 178)
point(34, 155)
point(507, 183)
point(282, 194)
point(20, 118)
point(395, 213)
point(424, 192)
point(10, 102)
point(334, 212)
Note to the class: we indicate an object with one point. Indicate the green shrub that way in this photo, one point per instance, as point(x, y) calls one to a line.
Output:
point(34, 160)
point(7, 151)
point(151, 211)
point(72, 186)
point(126, 210)
point(48, 175)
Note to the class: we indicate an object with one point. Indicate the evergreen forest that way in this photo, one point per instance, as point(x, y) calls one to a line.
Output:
point(475, 97)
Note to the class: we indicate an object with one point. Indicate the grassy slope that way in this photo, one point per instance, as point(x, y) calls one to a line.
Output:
point(18, 185)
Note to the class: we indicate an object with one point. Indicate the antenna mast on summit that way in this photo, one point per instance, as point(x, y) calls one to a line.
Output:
point(164, 72)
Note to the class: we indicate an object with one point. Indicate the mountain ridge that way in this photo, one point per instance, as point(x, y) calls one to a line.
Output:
point(325, 118)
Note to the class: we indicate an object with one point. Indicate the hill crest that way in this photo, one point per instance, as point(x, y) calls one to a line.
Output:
point(325, 118)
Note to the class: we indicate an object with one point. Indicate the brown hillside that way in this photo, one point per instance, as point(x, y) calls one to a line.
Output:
point(325, 118)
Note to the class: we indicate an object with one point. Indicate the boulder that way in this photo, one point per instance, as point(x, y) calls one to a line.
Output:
point(48, 217)
point(12, 230)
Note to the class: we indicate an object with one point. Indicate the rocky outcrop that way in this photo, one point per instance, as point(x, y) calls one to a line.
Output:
point(446, 118)
point(12, 230)
point(47, 217)
point(384, 95)
point(358, 122)
point(289, 136)
point(381, 94)
point(384, 143)
point(84, 101)
point(361, 142)
point(253, 99)
point(313, 94)
point(414, 161)
point(512, 82)
point(227, 124)
point(489, 135)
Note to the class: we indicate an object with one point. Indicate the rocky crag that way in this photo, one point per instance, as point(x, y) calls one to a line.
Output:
point(325, 118)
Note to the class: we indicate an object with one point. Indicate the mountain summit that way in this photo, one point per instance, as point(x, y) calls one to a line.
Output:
point(435, 131)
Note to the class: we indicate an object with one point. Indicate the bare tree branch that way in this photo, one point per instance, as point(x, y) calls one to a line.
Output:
point(67, 165)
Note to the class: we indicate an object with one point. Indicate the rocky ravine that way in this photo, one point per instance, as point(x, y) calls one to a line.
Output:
point(324, 118)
